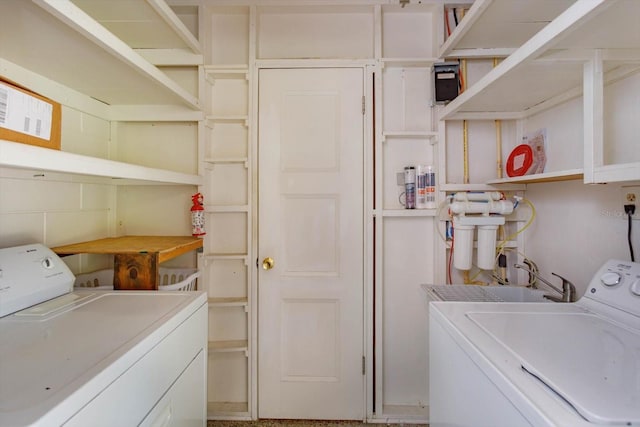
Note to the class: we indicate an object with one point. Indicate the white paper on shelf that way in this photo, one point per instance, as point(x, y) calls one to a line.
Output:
point(21, 112)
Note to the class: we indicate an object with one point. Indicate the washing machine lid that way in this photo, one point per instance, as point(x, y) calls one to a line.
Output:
point(592, 363)
point(60, 354)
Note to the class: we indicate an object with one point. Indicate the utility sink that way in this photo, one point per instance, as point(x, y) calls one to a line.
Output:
point(476, 293)
point(517, 294)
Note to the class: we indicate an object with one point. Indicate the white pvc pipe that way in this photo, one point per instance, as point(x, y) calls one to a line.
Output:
point(476, 196)
point(502, 207)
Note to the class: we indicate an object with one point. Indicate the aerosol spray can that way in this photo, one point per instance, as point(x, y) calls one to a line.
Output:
point(426, 187)
point(410, 187)
point(431, 187)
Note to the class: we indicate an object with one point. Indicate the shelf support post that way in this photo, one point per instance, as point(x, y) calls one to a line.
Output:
point(593, 81)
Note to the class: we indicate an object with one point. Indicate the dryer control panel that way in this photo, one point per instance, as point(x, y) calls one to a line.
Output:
point(29, 275)
point(617, 284)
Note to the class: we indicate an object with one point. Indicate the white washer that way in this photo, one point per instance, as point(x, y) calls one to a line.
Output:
point(562, 364)
point(96, 358)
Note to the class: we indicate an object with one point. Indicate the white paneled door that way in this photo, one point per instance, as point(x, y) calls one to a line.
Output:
point(310, 281)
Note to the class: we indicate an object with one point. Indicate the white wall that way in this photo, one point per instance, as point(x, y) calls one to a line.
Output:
point(577, 228)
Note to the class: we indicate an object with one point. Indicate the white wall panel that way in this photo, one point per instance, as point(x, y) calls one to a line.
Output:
point(96, 196)
point(563, 148)
point(165, 145)
point(322, 34)
point(227, 323)
point(227, 278)
point(21, 228)
point(577, 228)
point(85, 134)
point(622, 110)
point(154, 210)
point(227, 377)
point(24, 195)
point(64, 228)
point(408, 262)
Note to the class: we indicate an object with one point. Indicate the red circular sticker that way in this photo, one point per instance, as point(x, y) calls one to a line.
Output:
point(520, 160)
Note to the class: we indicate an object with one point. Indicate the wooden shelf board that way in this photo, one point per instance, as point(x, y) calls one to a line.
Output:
point(167, 247)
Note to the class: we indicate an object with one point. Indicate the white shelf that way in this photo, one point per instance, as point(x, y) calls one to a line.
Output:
point(409, 62)
point(228, 346)
point(408, 212)
point(228, 301)
point(565, 175)
point(23, 156)
point(71, 48)
point(548, 68)
point(401, 413)
point(226, 209)
point(226, 71)
point(226, 410)
point(495, 28)
point(214, 257)
point(228, 118)
point(227, 160)
point(142, 24)
point(453, 187)
point(409, 134)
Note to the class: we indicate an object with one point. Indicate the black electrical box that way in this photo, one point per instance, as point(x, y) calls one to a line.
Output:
point(446, 80)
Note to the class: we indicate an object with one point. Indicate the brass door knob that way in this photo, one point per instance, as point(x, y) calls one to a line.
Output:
point(268, 263)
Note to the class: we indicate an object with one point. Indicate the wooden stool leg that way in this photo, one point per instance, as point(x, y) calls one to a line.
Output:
point(135, 272)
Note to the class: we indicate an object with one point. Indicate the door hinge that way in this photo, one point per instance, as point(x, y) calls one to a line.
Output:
point(364, 365)
point(363, 105)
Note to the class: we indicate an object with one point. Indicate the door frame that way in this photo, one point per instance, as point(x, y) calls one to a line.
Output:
point(371, 70)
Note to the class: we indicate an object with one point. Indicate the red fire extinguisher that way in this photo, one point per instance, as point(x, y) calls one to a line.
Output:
point(197, 215)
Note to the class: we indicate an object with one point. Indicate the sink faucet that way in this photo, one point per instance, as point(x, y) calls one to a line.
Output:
point(568, 290)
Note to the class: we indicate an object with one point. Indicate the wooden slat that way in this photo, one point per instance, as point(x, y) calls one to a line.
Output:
point(166, 247)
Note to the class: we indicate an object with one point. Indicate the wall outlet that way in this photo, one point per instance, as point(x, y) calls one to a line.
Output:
point(630, 196)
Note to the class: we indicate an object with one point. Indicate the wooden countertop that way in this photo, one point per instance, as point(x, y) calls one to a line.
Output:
point(166, 247)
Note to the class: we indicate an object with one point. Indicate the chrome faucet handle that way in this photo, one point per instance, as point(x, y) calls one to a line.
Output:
point(568, 289)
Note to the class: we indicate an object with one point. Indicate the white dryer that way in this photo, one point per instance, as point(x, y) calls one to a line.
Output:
point(562, 364)
point(103, 358)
